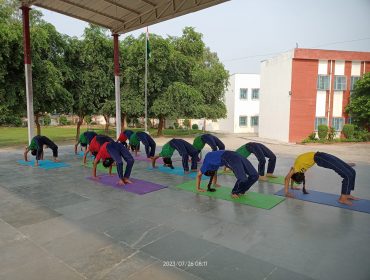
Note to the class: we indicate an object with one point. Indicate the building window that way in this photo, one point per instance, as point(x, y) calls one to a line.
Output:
point(340, 83)
point(337, 123)
point(354, 79)
point(255, 93)
point(242, 121)
point(254, 121)
point(323, 82)
point(320, 121)
point(243, 93)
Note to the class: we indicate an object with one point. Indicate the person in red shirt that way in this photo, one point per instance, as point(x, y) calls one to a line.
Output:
point(114, 152)
point(95, 145)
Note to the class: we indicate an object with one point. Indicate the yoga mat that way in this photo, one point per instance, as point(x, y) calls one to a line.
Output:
point(179, 171)
point(159, 160)
point(362, 205)
point(259, 200)
point(279, 180)
point(44, 164)
point(101, 168)
point(137, 186)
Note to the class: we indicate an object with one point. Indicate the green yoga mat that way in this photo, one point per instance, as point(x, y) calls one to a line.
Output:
point(279, 180)
point(101, 168)
point(259, 200)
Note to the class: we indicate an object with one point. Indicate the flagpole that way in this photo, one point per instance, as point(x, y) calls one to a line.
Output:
point(146, 81)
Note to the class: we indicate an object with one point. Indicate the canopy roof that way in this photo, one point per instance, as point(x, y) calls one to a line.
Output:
point(121, 16)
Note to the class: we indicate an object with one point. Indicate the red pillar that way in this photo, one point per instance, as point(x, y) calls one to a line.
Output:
point(28, 70)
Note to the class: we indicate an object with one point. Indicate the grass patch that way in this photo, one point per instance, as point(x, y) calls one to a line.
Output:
point(15, 136)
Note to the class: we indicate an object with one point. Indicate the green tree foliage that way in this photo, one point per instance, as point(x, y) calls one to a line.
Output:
point(107, 110)
point(359, 106)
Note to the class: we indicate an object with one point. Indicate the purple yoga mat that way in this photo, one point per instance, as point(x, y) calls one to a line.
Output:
point(137, 186)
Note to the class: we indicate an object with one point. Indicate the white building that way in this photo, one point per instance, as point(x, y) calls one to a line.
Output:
point(242, 103)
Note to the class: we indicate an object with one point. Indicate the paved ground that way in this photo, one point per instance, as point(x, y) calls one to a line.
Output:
point(58, 225)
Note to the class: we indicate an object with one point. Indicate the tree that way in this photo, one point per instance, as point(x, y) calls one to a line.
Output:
point(178, 101)
point(359, 106)
point(107, 110)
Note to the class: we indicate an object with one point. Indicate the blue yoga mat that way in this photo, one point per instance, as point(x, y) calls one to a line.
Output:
point(362, 205)
point(45, 164)
point(179, 171)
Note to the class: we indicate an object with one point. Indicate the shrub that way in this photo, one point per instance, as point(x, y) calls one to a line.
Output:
point(11, 120)
point(63, 120)
point(186, 123)
point(362, 134)
point(195, 126)
point(331, 133)
point(323, 131)
point(170, 127)
point(88, 119)
point(348, 130)
point(312, 136)
point(93, 123)
point(176, 125)
point(47, 120)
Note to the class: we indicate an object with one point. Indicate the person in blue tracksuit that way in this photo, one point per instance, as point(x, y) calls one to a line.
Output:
point(111, 152)
point(144, 138)
point(201, 140)
point(185, 150)
point(238, 164)
point(85, 139)
point(261, 152)
point(37, 148)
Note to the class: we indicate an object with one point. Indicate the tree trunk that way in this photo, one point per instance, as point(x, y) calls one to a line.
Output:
point(106, 128)
point(79, 123)
point(123, 121)
point(37, 124)
point(204, 124)
point(160, 126)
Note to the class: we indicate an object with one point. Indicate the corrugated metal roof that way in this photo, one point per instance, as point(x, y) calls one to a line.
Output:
point(122, 16)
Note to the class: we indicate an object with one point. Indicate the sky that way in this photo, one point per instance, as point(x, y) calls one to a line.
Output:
point(245, 32)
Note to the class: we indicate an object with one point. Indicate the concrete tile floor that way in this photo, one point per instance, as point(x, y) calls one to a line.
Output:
point(56, 224)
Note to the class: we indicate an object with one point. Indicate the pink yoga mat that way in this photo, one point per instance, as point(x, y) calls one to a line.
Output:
point(137, 186)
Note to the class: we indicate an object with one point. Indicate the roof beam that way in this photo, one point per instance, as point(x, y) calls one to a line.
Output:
point(72, 15)
point(92, 10)
point(115, 3)
point(148, 2)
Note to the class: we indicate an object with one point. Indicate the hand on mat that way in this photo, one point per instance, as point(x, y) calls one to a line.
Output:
point(56, 160)
point(288, 194)
point(36, 163)
point(295, 188)
point(217, 185)
point(271, 175)
point(96, 178)
point(201, 190)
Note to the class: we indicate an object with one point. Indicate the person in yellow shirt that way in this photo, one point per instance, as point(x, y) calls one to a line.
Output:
point(305, 161)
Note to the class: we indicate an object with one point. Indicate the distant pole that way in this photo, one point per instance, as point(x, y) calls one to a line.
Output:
point(28, 70)
point(117, 84)
point(146, 81)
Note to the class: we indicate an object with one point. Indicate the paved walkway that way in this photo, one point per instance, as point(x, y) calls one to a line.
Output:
point(56, 224)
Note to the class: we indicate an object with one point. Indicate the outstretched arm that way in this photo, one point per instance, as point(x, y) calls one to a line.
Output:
point(76, 145)
point(199, 177)
point(214, 181)
point(286, 183)
point(154, 159)
point(94, 168)
point(25, 153)
point(85, 154)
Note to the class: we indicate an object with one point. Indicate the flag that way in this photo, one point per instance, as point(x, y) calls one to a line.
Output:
point(147, 44)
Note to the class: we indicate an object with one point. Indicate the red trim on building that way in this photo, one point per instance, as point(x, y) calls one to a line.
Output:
point(116, 54)
point(331, 54)
point(26, 34)
point(303, 99)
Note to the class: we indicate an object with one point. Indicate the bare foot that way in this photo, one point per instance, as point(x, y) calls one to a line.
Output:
point(352, 197)
point(56, 160)
point(271, 175)
point(201, 190)
point(235, 196)
point(121, 182)
point(217, 185)
point(288, 194)
point(186, 172)
point(345, 201)
point(127, 181)
point(263, 178)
